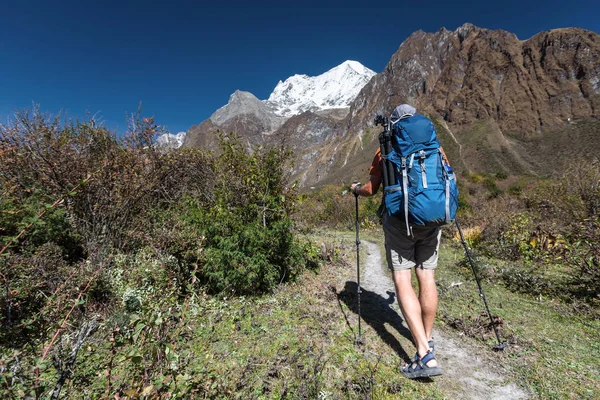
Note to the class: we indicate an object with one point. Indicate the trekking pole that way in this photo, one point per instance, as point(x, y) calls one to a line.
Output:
point(359, 339)
point(500, 345)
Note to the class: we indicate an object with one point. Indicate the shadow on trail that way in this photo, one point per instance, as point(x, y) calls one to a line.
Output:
point(376, 311)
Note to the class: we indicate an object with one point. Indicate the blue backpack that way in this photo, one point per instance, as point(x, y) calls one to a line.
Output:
point(425, 191)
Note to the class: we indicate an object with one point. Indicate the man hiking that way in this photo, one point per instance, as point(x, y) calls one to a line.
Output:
point(407, 248)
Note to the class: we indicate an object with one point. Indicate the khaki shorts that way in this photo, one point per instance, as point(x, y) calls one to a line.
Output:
point(406, 252)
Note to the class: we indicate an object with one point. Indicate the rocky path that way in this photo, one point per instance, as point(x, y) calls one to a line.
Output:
point(466, 376)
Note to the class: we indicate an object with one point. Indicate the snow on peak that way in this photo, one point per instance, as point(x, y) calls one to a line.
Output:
point(336, 88)
point(171, 141)
point(356, 66)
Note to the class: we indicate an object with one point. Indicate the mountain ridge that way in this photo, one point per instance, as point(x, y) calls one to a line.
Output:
point(488, 92)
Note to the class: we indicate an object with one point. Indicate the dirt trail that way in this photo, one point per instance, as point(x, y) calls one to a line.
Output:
point(466, 376)
point(445, 125)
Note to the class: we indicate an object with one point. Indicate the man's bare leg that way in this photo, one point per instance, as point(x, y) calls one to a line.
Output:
point(411, 309)
point(428, 298)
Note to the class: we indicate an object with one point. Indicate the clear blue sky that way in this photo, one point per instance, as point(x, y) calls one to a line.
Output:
point(182, 59)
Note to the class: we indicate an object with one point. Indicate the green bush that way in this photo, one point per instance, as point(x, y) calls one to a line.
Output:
point(249, 258)
point(492, 187)
point(501, 175)
point(583, 253)
point(249, 245)
point(18, 213)
point(515, 189)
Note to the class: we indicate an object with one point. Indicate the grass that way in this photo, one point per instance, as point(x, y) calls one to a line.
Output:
point(487, 149)
point(300, 341)
point(297, 343)
point(451, 148)
point(553, 351)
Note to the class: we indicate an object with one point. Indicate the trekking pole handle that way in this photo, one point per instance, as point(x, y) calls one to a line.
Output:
point(357, 183)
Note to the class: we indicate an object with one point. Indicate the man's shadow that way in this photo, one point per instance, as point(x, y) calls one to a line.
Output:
point(376, 311)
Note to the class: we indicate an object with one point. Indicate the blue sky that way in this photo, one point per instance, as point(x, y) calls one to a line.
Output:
point(182, 59)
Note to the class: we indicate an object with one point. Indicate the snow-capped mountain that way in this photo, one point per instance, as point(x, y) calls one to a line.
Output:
point(171, 141)
point(336, 88)
point(329, 95)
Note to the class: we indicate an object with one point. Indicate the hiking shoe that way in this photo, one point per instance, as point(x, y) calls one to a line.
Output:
point(419, 369)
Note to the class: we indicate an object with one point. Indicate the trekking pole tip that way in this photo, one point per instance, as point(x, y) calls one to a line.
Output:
point(500, 347)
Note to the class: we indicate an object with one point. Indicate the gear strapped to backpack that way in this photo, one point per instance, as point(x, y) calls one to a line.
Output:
point(421, 186)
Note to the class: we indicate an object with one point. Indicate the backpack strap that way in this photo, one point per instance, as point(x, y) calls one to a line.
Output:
point(423, 170)
point(405, 191)
point(447, 201)
point(447, 178)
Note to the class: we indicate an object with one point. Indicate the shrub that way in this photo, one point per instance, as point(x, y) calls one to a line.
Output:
point(492, 187)
point(147, 276)
point(474, 178)
point(39, 287)
point(583, 252)
point(526, 280)
point(515, 189)
point(106, 182)
point(501, 175)
point(520, 239)
point(16, 214)
point(128, 233)
point(249, 245)
point(574, 197)
point(553, 226)
point(472, 235)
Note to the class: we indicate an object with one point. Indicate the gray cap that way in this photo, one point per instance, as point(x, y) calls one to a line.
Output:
point(402, 111)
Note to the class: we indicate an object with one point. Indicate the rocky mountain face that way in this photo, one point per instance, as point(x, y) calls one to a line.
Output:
point(495, 99)
point(474, 74)
point(308, 135)
point(526, 86)
point(489, 91)
point(244, 114)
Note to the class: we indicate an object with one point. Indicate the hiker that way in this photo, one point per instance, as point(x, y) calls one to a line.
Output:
point(409, 247)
